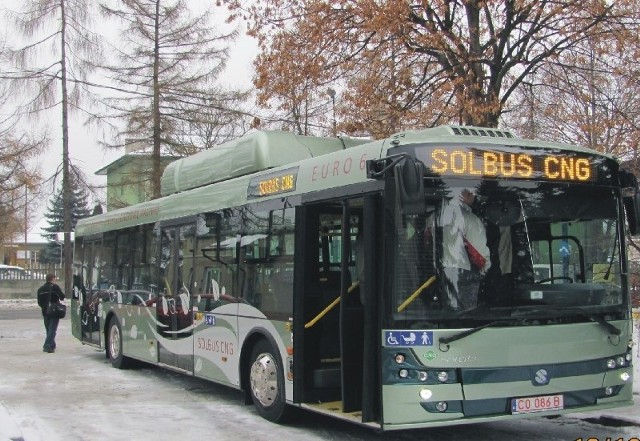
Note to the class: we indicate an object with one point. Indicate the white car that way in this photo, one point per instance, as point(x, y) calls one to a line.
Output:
point(11, 272)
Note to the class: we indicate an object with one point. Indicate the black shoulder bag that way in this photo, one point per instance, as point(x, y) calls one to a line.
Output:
point(55, 310)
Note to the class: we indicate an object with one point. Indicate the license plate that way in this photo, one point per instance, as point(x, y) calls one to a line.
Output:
point(537, 404)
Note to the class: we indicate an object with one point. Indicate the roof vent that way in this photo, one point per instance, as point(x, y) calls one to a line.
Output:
point(481, 131)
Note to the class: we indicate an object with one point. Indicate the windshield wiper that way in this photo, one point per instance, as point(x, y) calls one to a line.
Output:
point(468, 332)
point(521, 317)
point(593, 317)
point(558, 310)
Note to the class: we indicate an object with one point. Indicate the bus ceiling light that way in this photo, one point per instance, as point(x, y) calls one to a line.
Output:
point(403, 373)
point(425, 394)
point(442, 406)
point(400, 358)
point(443, 376)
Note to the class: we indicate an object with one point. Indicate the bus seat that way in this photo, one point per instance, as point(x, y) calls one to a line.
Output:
point(184, 303)
point(281, 283)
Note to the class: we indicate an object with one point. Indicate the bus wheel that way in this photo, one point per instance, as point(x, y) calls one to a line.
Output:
point(266, 380)
point(114, 345)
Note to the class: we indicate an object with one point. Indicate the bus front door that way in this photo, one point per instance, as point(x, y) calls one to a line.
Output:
point(331, 305)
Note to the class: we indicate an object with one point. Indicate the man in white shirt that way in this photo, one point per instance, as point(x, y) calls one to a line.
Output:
point(465, 256)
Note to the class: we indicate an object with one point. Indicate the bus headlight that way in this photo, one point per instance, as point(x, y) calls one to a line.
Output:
point(611, 363)
point(608, 390)
point(443, 377)
point(403, 373)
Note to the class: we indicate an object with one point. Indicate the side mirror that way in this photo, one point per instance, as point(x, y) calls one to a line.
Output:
point(631, 200)
point(409, 177)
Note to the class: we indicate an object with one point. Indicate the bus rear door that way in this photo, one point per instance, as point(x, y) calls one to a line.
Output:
point(174, 307)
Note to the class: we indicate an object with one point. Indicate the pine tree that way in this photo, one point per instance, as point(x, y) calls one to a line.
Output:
point(79, 201)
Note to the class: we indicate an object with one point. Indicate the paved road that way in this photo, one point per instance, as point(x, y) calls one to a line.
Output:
point(19, 314)
point(75, 395)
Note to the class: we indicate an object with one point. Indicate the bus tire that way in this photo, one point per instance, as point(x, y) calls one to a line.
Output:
point(114, 345)
point(266, 383)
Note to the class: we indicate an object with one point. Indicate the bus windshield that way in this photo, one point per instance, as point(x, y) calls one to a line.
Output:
point(486, 249)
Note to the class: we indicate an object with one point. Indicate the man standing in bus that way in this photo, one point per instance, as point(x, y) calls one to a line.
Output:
point(465, 256)
point(49, 293)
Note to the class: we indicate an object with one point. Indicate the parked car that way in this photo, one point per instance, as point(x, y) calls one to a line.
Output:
point(11, 272)
point(36, 275)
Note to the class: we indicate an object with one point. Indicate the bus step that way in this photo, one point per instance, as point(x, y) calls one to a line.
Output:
point(326, 377)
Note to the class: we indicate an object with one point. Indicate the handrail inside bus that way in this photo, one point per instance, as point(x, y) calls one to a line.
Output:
point(416, 293)
point(329, 307)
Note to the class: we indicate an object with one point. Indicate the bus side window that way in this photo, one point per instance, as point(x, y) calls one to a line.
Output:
point(281, 287)
point(255, 259)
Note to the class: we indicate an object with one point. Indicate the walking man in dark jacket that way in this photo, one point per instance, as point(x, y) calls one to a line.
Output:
point(49, 292)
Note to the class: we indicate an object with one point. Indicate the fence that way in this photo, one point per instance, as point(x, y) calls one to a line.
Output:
point(23, 283)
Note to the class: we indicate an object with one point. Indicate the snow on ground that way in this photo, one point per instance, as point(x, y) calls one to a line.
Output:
point(18, 304)
point(97, 402)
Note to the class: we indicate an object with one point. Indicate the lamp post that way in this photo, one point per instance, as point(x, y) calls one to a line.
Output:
point(332, 93)
point(26, 228)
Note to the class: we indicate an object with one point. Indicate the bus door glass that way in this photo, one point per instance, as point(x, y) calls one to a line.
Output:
point(78, 295)
point(174, 306)
point(351, 309)
point(332, 306)
point(90, 295)
point(213, 296)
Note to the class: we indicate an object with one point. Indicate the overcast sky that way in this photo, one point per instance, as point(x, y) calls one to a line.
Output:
point(83, 148)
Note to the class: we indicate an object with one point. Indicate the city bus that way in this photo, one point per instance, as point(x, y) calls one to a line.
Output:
point(442, 276)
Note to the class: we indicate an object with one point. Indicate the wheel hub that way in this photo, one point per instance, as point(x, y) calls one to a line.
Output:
point(114, 342)
point(264, 379)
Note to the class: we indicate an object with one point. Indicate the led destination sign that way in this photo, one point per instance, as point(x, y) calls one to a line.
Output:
point(283, 181)
point(509, 164)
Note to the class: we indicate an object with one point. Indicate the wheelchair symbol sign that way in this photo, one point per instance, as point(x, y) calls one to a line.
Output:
point(409, 338)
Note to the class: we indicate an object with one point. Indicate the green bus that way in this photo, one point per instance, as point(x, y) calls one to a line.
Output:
point(437, 277)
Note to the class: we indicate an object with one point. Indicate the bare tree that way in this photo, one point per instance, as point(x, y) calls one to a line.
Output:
point(53, 69)
point(19, 180)
point(589, 94)
point(19, 176)
point(215, 121)
point(408, 63)
point(168, 62)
